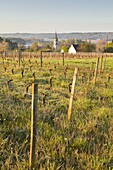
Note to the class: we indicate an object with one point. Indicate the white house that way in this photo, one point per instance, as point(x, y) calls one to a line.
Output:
point(72, 49)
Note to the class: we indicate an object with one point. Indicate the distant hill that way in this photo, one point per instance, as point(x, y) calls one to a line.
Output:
point(61, 36)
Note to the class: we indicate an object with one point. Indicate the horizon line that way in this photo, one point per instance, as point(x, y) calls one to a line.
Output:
point(71, 32)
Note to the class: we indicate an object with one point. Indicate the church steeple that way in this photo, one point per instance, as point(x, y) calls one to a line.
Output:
point(55, 43)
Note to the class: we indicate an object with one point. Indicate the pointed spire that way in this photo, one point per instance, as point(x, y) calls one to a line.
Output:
point(55, 36)
point(55, 40)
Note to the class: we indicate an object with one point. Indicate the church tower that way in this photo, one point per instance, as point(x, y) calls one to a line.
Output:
point(55, 43)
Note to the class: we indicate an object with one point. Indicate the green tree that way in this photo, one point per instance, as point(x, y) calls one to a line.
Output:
point(70, 41)
point(87, 47)
point(1, 39)
point(79, 41)
point(10, 45)
point(7, 45)
point(34, 46)
point(65, 48)
point(109, 48)
point(46, 48)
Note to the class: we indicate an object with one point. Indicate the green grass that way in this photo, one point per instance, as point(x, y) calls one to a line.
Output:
point(84, 143)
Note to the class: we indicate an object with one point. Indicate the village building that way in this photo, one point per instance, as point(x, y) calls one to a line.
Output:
point(55, 42)
point(73, 49)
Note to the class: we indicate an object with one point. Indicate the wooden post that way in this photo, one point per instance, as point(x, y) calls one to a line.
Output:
point(88, 82)
point(19, 58)
point(22, 72)
point(91, 66)
point(43, 98)
point(4, 55)
point(101, 61)
point(50, 81)
point(69, 87)
point(41, 59)
point(103, 65)
point(96, 71)
point(29, 55)
point(23, 56)
point(72, 92)
point(34, 111)
point(63, 59)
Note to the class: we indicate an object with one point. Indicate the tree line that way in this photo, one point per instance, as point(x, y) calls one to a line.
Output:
point(87, 46)
point(7, 44)
point(83, 46)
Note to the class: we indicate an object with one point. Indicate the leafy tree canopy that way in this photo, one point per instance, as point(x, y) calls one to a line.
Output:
point(34, 46)
point(1, 39)
point(65, 48)
point(6, 45)
point(109, 47)
point(87, 47)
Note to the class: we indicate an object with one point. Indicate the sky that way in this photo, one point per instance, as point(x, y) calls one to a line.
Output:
point(63, 16)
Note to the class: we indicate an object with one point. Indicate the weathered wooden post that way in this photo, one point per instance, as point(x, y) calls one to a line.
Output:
point(41, 59)
point(96, 71)
point(4, 55)
point(88, 82)
point(15, 55)
point(103, 64)
point(72, 92)
point(22, 72)
point(9, 85)
point(12, 71)
point(34, 111)
point(50, 81)
point(69, 86)
point(29, 55)
point(43, 98)
point(63, 59)
point(91, 66)
point(23, 54)
point(101, 61)
point(34, 76)
point(19, 55)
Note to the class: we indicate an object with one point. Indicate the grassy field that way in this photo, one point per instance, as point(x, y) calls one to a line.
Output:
point(83, 143)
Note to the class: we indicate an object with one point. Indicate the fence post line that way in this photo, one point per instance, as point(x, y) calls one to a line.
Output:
point(34, 111)
point(72, 92)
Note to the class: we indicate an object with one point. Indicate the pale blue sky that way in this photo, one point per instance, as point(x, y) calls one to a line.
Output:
point(38, 16)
